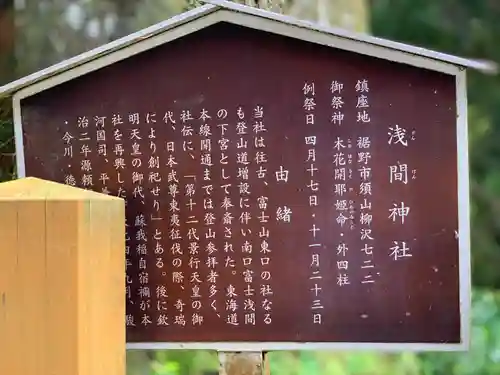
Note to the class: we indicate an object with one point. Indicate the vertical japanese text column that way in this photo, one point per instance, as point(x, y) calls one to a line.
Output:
point(313, 187)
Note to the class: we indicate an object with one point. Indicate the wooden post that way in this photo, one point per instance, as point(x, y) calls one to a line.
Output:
point(62, 278)
point(242, 363)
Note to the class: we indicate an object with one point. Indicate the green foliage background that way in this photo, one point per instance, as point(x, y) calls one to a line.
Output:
point(462, 27)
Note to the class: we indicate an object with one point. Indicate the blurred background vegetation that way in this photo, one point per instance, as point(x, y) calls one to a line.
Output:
point(37, 33)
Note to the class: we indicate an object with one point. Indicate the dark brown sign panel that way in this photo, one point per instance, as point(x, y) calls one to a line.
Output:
point(277, 191)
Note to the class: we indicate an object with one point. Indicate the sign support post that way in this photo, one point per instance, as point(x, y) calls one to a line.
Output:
point(243, 363)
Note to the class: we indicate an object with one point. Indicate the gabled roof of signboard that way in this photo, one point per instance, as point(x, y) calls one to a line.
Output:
point(230, 12)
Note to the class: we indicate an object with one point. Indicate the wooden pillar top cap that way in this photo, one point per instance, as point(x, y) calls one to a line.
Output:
point(35, 188)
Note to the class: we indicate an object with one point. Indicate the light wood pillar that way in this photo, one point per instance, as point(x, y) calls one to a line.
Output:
point(243, 363)
point(62, 279)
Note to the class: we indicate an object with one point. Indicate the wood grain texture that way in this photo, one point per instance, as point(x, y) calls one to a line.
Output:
point(62, 273)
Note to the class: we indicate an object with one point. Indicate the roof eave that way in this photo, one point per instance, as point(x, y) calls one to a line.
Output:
point(215, 5)
point(106, 49)
point(484, 66)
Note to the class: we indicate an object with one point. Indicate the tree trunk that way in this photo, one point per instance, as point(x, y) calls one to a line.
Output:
point(347, 14)
point(7, 28)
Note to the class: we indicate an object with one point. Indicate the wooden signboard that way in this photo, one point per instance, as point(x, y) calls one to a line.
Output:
point(280, 194)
